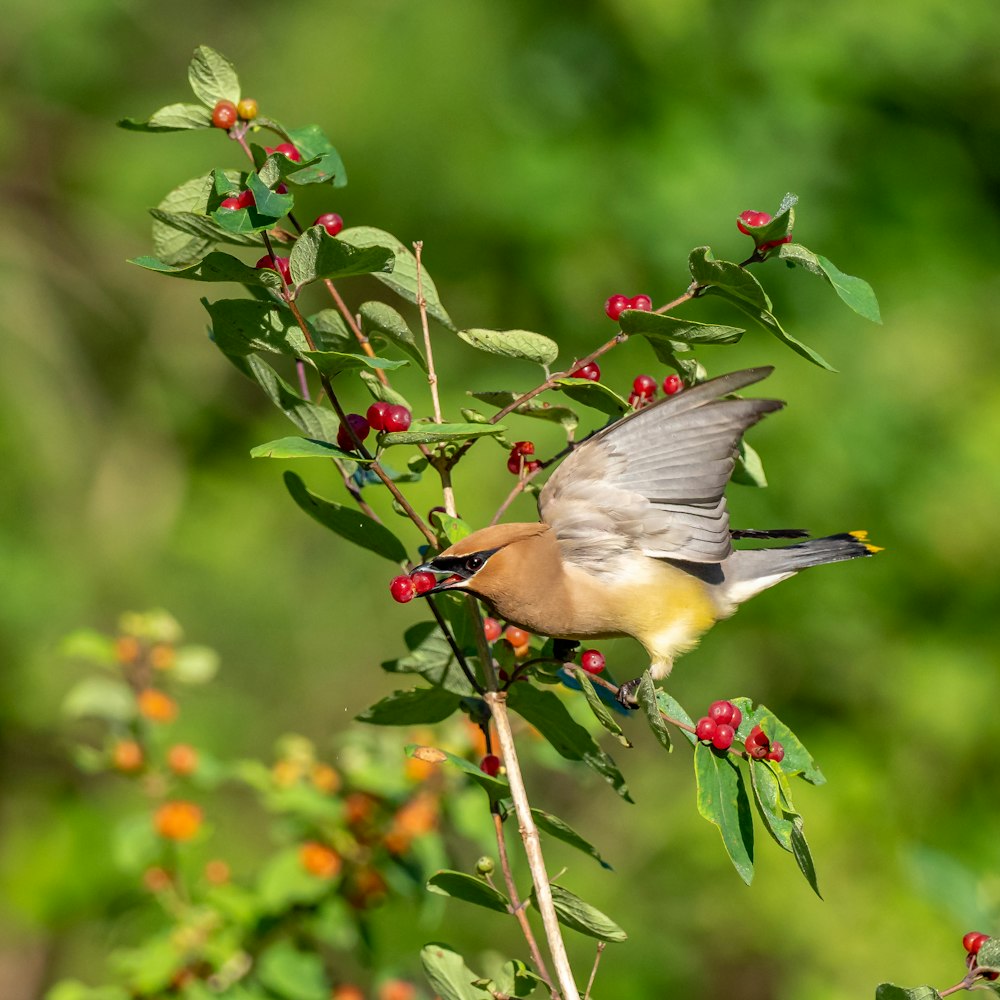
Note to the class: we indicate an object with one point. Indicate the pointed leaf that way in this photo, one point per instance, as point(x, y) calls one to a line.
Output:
point(203, 228)
point(520, 344)
point(722, 800)
point(573, 912)
point(379, 320)
point(403, 278)
point(241, 326)
point(803, 856)
point(557, 828)
point(416, 707)
point(313, 144)
point(171, 118)
point(212, 77)
point(386, 393)
point(432, 657)
point(470, 889)
point(217, 266)
point(724, 275)
point(594, 394)
point(317, 254)
point(856, 292)
point(673, 709)
point(171, 245)
point(749, 469)
point(448, 974)
point(496, 787)
point(601, 713)
point(267, 201)
point(657, 327)
point(550, 717)
point(433, 433)
point(797, 759)
point(299, 447)
point(347, 522)
point(317, 422)
point(334, 362)
point(646, 695)
point(532, 408)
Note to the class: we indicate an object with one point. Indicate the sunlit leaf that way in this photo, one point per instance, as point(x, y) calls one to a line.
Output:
point(722, 800)
point(418, 706)
point(520, 344)
point(212, 77)
point(468, 888)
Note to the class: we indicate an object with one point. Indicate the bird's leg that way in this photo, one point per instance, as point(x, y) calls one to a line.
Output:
point(626, 694)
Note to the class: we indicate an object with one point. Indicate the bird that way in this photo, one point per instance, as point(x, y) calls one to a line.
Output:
point(634, 537)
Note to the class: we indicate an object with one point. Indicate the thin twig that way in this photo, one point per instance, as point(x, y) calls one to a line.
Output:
point(601, 945)
point(352, 323)
point(514, 494)
point(432, 379)
point(515, 901)
point(456, 650)
point(680, 300)
point(497, 702)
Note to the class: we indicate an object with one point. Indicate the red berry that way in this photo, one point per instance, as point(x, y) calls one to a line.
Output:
point(725, 711)
point(973, 941)
point(288, 149)
point(279, 264)
point(672, 384)
point(776, 753)
point(592, 661)
point(224, 115)
point(615, 306)
point(490, 765)
point(243, 200)
point(523, 448)
point(514, 464)
point(360, 427)
point(376, 415)
point(402, 589)
point(644, 385)
point(230, 203)
point(591, 372)
point(757, 744)
point(530, 467)
point(423, 581)
point(642, 302)
point(330, 221)
point(705, 729)
point(771, 244)
point(247, 109)
point(516, 636)
point(751, 218)
point(396, 418)
point(492, 628)
point(724, 736)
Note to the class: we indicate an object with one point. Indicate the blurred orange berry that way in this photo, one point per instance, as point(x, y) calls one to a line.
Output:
point(367, 889)
point(127, 649)
point(156, 879)
point(419, 770)
point(157, 706)
point(347, 992)
point(397, 989)
point(286, 773)
point(325, 778)
point(177, 820)
point(182, 759)
point(516, 636)
point(127, 756)
point(359, 807)
point(522, 651)
point(162, 656)
point(217, 872)
point(319, 860)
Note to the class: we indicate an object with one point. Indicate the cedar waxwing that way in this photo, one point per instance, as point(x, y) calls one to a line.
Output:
point(634, 536)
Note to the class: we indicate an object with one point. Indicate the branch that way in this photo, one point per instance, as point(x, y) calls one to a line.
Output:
point(354, 327)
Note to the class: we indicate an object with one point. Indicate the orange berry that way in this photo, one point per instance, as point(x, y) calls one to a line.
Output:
point(127, 649)
point(346, 992)
point(156, 879)
point(419, 770)
point(217, 872)
point(359, 807)
point(325, 778)
point(367, 889)
point(127, 756)
point(516, 636)
point(397, 989)
point(286, 773)
point(319, 860)
point(247, 109)
point(162, 656)
point(520, 652)
point(157, 706)
point(182, 759)
point(177, 820)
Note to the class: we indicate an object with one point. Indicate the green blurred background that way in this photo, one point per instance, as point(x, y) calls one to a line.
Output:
point(548, 155)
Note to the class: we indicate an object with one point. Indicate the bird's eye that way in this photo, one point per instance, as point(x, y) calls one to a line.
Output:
point(475, 562)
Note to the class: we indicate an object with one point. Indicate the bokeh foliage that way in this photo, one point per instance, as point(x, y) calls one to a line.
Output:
point(548, 157)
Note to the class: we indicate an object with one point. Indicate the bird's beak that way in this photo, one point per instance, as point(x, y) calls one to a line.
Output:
point(451, 577)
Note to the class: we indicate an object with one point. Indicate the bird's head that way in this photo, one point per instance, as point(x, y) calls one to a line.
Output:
point(483, 563)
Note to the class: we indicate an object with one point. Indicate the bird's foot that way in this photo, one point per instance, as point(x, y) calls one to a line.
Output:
point(626, 694)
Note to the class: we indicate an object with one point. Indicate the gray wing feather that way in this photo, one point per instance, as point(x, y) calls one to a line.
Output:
point(655, 480)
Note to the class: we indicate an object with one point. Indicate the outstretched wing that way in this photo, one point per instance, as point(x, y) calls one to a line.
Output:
point(655, 480)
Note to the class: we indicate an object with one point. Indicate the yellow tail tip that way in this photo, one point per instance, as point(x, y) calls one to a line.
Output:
point(862, 536)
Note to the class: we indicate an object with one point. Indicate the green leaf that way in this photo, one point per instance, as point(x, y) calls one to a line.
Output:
point(470, 889)
point(330, 332)
point(172, 245)
point(448, 974)
point(317, 422)
point(204, 230)
point(724, 275)
point(593, 394)
point(283, 882)
point(213, 78)
point(532, 408)
point(722, 800)
point(890, 991)
point(268, 202)
point(598, 707)
point(379, 320)
point(317, 254)
point(521, 344)
point(803, 856)
point(334, 362)
point(195, 665)
point(386, 393)
point(403, 279)
point(292, 974)
point(241, 326)
point(657, 328)
point(313, 144)
point(298, 447)
point(434, 433)
point(797, 759)
point(515, 979)
point(73, 989)
point(646, 695)
point(669, 706)
point(557, 828)
point(749, 469)
point(171, 118)
point(91, 645)
point(418, 706)
point(452, 529)
point(100, 697)
point(496, 787)
point(856, 292)
point(574, 913)
point(431, 656)
point(217, 266)
point(347, 522)
point(549, 716)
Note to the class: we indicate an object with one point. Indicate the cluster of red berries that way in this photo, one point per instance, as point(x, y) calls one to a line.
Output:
point(617, 304)
point(381, 416)
point(517, 461)
point(405, 588)
point(279, 264)
point(719, 728)
point(225, 114)
point(755, 220)
point(972, 942)
point(644, 389)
